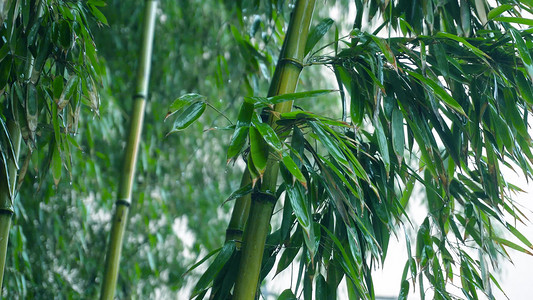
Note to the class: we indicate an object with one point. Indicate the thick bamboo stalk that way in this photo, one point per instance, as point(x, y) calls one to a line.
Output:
point(263, 201)
point(240, 212)
point(130, 158)
point(7, 195)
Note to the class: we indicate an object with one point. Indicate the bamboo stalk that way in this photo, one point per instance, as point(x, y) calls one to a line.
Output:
point(263, 201)
point(7, 194)
point(130, 158)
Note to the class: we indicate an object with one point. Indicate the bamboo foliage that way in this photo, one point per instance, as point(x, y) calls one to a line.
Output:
point(123, 203)
point(48, 67)
point(434, 105)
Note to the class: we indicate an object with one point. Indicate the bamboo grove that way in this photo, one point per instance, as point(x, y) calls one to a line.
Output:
point(425, 101)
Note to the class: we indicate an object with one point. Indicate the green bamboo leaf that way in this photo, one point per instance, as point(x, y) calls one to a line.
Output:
point(295, 96)
point(382, 143)
point(241, 192)
point(237, 142)
point(493, 13)
point(258, 151)
point(223, 256)
point(5, 69)
point(511, 245)
point(404, 290)
point(439, 91)
point(293, 168)
point(287, 295)
point(188, 116)
point(386, 50)
point(241, 129)
point(98, 14)
point(268, 134)
point(287, 257)
point(518, 20)
point(330, 144)
point(56, 165)
point(316, 33)
point(398, 134)
point(524, 87)
point(523, 50)
point(201, 261)
point(321, 292)
point(459, 39)
point(519, 235)
point(300, 207)
point(183, 101)
point(57, 86)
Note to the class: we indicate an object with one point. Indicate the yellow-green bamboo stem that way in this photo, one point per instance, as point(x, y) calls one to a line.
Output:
point(130, 158)
point(7, 194)
point(263, 202)
point(240, 212)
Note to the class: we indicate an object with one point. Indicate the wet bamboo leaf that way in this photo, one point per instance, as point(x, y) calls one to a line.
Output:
point(459, 39)
point(511, 245)
point(223, 256)
point(438, 90)
point(241, 192)
point(523, 50)
point(517, 20)
point(183, 101)
point(293, 168)
point(316, 33)
point(268, 134)
point(237, 142)
point(329, 143)
point(241, 129)
point(383, 144)
point(287, 295)
point(404, 290)
point(292, 96)
point(188, 116)
point(493, 13)
point(258, 151)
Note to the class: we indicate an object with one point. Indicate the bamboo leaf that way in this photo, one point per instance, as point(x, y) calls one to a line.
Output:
point(511, 245)
point(523, 50)
point(398, 135)
point(404, 290)
point(258, 151)
point(329, 143)
point(241, 192)
point(287, 295)
point(183, 101)
point(382, 143)
point(289, 97)
point(223, 256)
point(293, 168)
point(493, 13)
point(518, 20)
point(188, 116)
point(316, 33)
point(459, 39)
point(438, 90)
point(241, 129)
point(268, 134)
point(56, 165)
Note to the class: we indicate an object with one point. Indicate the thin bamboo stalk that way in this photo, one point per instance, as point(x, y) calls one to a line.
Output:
point(130, 158)
point(7, 195)
point(263, 201)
